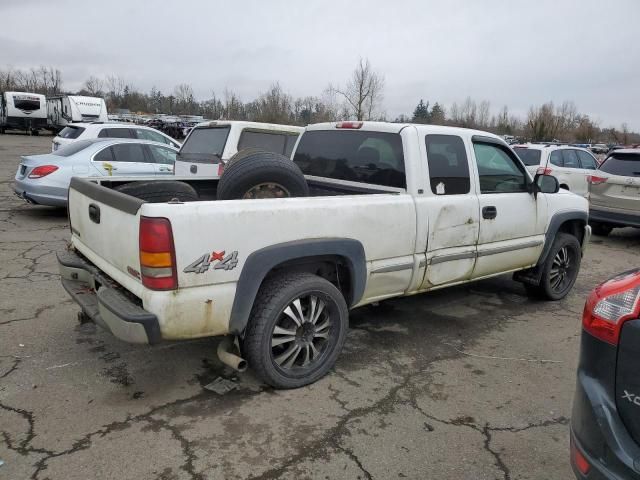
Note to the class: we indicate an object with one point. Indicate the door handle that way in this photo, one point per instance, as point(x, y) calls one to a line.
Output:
point(489, 213)
point(193, 169)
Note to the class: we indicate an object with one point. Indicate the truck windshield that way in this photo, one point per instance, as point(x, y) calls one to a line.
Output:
point(355, 155)
point(528, 156)
point(204, 145)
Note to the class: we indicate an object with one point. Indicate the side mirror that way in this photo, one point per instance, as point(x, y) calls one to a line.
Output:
point(546, 183)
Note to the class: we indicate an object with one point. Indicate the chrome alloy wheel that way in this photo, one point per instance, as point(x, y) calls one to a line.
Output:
point(302, 333)
point(562, 270)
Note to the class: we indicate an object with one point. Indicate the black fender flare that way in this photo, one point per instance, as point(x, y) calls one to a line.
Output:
point(554, 225)
point(261, 262)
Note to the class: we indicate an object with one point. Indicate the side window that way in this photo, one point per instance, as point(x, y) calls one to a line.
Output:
point(272, 142)
point(129, 152)
point(115, 133)
point(448, 165)
point(556, 158)
point(499, 172)
point(144, 134)
point(586, 160)
point(104, 155)
point(570, 159)
point(162, 155)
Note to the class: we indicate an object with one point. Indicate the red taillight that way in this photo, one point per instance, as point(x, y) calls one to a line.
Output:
point(544, 171)
point(157, 254)
point(609, 305)
point(220, 168)
point(595, 180)
point(578, 459)
point(352, 125)
point(42, 171)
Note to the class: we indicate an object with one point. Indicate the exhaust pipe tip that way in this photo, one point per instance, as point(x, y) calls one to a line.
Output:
point(226, 355)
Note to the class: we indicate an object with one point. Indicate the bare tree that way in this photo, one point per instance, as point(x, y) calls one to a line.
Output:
point(625, 133)
point(94, 86)
point(363, 92)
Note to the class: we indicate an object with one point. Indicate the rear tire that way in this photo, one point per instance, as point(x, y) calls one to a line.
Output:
point(260, 174)
point(560, 269)
point(160, 191)
point(307, 318)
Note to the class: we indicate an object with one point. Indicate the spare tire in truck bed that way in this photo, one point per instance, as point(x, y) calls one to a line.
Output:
point(159, 191)
point(261, 174)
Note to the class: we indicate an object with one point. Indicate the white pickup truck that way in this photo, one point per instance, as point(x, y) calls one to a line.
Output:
point(391, 210)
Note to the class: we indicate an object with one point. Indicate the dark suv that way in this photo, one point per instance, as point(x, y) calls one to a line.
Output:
point(605, 424)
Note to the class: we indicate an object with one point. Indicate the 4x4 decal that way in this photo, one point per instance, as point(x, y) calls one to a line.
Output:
point(635, 399)
point(205, 261)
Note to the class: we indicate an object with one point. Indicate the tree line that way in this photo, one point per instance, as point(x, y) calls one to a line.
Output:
point(360, 98)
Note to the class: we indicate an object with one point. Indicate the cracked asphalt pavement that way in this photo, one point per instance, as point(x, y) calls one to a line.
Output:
point(471, 382)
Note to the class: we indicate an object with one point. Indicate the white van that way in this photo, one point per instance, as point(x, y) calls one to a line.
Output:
point(211, 144)
point(65, 109)
point(23, 111)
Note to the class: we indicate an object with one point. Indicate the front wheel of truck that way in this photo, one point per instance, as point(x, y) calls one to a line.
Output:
point(297, 328)
point(560, 269)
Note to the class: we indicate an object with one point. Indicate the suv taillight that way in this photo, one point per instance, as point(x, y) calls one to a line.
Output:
point(609, 305)
point(157, 254)
point(544, 171)
point(220, 168)
point(42, 171)
point(595, 180)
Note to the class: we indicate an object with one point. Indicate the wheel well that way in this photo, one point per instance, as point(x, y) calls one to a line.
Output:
point(334, 268)
point(575, 228)
point(565, 186)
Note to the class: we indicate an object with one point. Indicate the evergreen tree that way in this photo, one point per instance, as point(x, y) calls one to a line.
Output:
point(437, 115)
point(421, 113)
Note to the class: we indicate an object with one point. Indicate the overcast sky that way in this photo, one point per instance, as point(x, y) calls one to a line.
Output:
point(514, 53)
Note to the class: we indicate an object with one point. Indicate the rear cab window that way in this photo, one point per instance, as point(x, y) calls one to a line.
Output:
point(272, 141)
point(71, 132)
point(354, 155)
point(204, 145)
point(448, 165)
point(529, 156)
point(622, 164)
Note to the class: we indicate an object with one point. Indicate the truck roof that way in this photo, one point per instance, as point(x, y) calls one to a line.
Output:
point(397, 127)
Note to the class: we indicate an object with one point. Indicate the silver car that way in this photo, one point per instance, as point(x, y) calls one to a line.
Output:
point(44, 179)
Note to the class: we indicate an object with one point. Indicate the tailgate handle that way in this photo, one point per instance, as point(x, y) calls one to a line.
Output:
point(94, 213)
point(194, 169)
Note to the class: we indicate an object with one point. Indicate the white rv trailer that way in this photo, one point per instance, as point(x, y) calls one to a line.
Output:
point(65, 109)
point(23, 111)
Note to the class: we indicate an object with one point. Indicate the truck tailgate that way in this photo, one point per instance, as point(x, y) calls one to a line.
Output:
point(105, 228)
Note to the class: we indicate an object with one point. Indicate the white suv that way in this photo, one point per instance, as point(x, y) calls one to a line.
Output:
point(570, 165)
point(87, 131)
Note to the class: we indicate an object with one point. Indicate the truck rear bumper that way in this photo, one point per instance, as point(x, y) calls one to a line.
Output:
point(105, 303)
